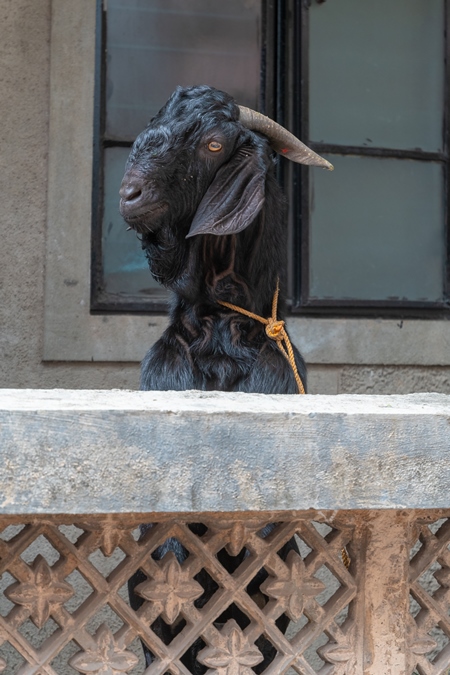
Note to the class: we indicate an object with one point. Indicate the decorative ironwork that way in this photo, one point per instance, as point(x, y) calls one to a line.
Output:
point(53, 579)
point(107, 657)
point(65, 603)
point(171, 590)
point(235, 655)
point(42, 593)
point(294, 587)
point(429, 624)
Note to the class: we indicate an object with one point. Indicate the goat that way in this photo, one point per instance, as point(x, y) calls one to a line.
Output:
point(199, 189)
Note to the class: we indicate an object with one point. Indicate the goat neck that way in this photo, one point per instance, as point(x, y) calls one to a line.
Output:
point(240, 268)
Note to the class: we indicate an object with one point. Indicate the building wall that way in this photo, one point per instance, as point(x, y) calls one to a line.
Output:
point(25, 102)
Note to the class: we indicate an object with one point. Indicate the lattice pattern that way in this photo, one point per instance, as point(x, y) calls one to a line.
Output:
point(429, 635)
point(250, 598)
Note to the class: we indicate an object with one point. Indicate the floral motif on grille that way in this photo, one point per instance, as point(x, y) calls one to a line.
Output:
point(42, 593)
point(105, 657)
point(294, 587)
point(171, 590)
point(236, 654)
point(238, 532)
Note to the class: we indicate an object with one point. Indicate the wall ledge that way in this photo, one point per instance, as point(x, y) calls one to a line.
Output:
point(78, 452)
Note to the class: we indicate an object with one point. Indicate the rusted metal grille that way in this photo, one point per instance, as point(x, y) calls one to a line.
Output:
point(66, 607)
point(429, 597)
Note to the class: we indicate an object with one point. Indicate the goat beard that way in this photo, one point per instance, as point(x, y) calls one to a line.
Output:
point(166, 255)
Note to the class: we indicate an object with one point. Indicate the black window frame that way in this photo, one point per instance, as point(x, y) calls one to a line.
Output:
point(272, 97)
point(302, 302)
point(284, 61)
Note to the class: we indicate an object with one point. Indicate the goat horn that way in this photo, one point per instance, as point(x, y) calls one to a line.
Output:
point(281, 140)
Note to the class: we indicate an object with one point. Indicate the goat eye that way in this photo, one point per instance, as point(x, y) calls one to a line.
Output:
point(214, 146)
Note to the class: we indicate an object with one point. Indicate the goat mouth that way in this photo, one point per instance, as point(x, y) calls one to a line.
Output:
point(143, 219)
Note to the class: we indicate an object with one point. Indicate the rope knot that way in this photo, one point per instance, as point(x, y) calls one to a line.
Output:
point(275, 329)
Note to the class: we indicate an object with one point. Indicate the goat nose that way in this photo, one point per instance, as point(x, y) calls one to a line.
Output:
point(130, 190)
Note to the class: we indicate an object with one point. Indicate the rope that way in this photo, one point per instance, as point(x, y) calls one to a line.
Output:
point(345, 557)
point(275, 330)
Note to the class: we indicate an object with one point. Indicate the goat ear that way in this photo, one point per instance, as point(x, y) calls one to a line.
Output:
point(235, 196)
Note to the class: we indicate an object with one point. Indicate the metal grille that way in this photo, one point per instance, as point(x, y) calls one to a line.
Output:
point(429, 597)
point(66, 610)
point(247, 594)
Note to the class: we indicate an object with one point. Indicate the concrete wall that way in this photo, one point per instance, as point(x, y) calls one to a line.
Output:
point(166, 451)
point(26, 101)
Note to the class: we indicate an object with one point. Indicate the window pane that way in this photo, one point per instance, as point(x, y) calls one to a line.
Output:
point(377, 73)
point(377, 230)
point(124, 263)
point(155, 45)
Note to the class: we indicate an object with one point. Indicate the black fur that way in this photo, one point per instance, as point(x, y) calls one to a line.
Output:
point(213, 229)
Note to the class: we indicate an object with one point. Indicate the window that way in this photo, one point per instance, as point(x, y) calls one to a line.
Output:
point(148, 47)
point(362, 83)
point(375, 101)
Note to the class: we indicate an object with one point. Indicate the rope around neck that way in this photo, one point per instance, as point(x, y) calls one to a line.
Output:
point(275, 330)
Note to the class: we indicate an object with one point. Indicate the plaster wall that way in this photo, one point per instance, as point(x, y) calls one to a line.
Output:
point(26, 106)
point(24, 132)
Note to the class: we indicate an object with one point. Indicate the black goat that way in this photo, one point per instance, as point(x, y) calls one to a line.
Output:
point(199, 189)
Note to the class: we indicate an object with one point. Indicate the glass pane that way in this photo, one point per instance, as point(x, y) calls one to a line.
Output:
point(124, 263)
point(377, 73)
point(155, 45)
point(377, 230)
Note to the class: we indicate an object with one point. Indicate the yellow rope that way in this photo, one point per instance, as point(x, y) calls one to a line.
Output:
point(275, 330)
point(345, 557)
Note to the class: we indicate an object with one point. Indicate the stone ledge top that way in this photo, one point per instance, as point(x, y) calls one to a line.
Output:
point(100, 452)
point(220, 402)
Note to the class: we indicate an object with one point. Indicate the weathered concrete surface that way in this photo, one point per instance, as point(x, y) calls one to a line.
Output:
point(385, 611)
point(25, 50)
point(390, 380)
point(105, 452)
